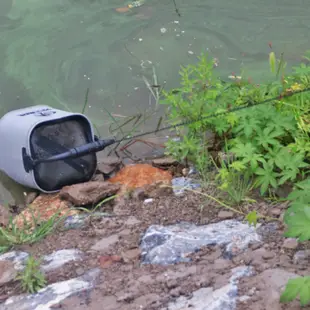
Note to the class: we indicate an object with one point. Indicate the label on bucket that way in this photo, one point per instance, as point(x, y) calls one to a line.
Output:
point(40, 112)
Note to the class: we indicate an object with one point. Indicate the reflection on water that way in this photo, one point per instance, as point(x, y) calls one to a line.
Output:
point(51, 51)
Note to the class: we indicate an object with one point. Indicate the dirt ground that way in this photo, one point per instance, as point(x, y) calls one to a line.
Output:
point(126, 284)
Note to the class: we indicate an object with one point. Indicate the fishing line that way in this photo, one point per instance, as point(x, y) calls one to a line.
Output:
point(176, 8)
point(246, 105)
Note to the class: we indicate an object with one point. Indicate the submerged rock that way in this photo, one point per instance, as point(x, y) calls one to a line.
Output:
point(224, 298)
point(172, 244)
point(51, 295)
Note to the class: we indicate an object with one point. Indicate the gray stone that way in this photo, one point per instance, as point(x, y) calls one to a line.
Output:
point(18, 258)
point(171, 244)
point(181, 184)
point(49, 262)
point(52, 294)
point(59, 258)
point(224, 298)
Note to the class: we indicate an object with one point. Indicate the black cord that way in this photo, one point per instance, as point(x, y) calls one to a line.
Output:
point(176, 8)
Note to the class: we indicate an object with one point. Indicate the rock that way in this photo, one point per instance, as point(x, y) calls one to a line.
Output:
point(30, 197)
point(164, 162)
point(44, 207)
point(181, 184)
point(140, 175)
point(7, 272)
point(172, 244)
point(109, 165)
point(207, 298)
point(268, 255)
point(149, 200)
point(18, 258)
point(49, 262)
point(4, 216)
point(75, 221)
point(131, 255)
point(158, 189)
point(302, 257)
point(290, 243)
point(98, 178)
point(224, 215)
point(53, 294)
point(59, 258)
point(88, 193)
point(103, 244)
point(276, 211)
point(79, 271)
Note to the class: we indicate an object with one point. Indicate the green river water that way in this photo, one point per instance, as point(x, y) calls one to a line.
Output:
point(51, 51)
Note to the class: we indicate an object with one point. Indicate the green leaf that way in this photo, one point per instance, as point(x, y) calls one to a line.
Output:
point(266, 177)
point(252, 218)
point(297, 287)
point(298, 223)
point(267, 137)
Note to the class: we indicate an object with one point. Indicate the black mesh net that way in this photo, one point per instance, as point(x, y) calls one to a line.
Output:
point(52, 138)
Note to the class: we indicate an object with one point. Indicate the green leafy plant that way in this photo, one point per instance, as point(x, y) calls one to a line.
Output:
point(32, 278)
point(271, 141)
point(234, 179)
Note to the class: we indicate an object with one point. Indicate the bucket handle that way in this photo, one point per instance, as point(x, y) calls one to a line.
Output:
point(93, 147)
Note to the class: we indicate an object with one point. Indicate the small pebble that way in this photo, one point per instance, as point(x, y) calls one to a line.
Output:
point(149, 200)
point(276, 212)
point(290, 243)
point(225, 214)
point(268, 255)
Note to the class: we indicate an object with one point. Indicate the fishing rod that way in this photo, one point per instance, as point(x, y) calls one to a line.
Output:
point(99, 145)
